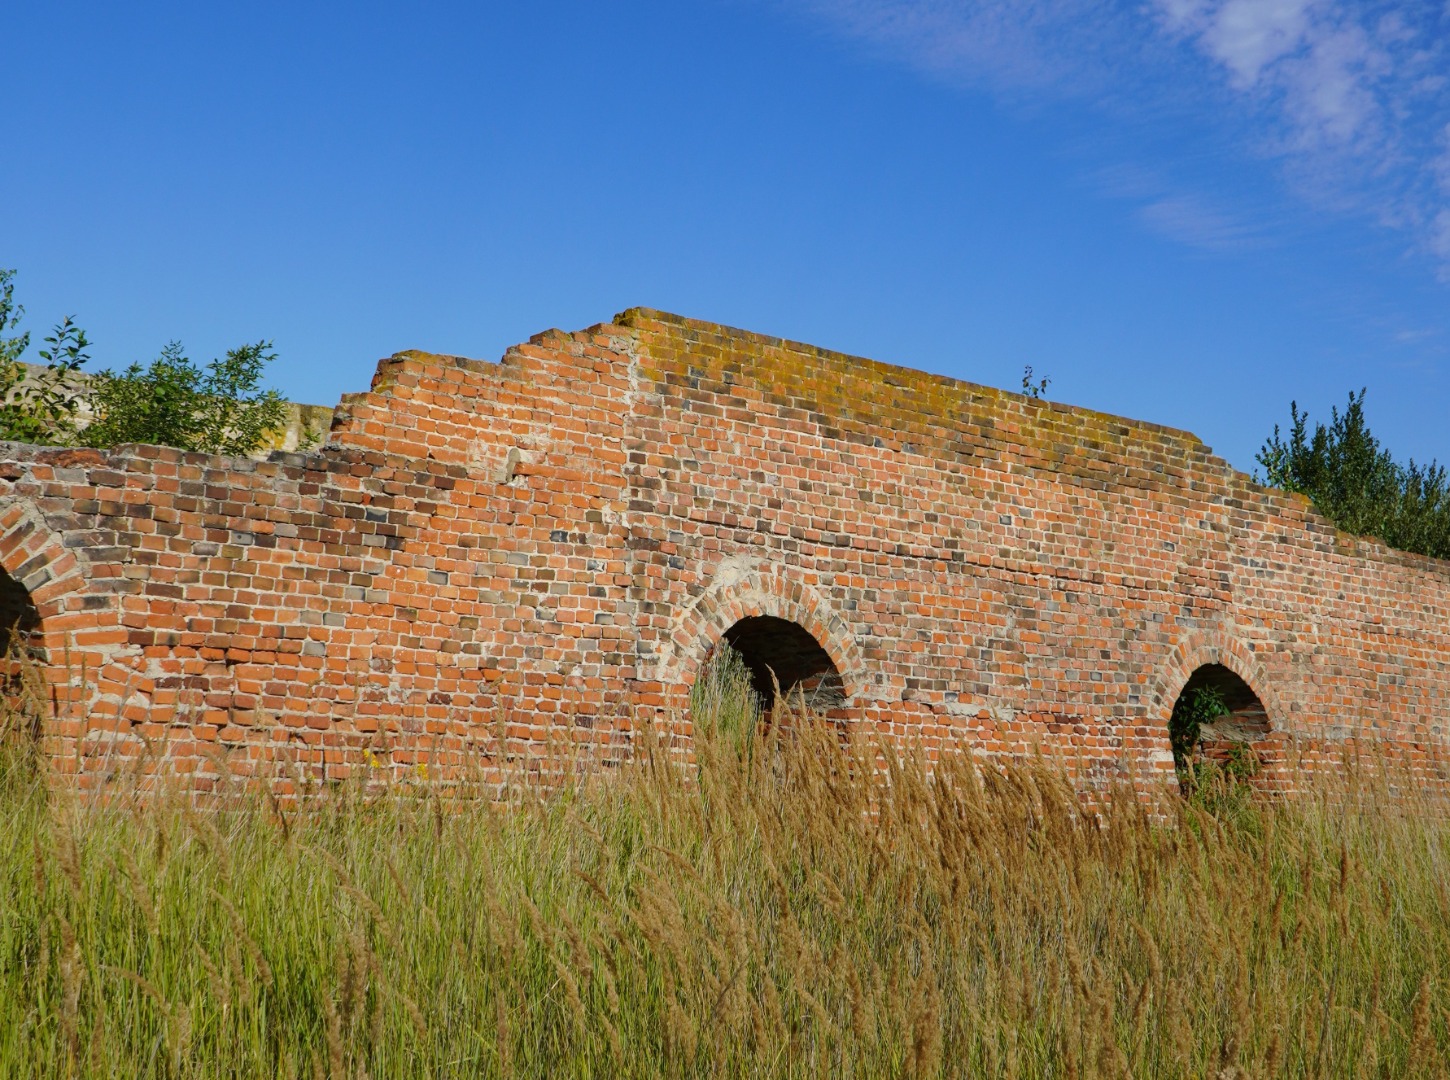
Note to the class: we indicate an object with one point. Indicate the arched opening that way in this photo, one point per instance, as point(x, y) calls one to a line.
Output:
point(18, 618)
point(21, 690)
point(1217, 723)
point(784, 657)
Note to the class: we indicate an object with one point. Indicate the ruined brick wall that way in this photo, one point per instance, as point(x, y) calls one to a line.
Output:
point(554, 543)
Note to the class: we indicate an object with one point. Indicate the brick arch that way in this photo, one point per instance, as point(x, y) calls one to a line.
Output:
point(1218, 647)
point(768, 591)
point(1213, 647)
point(51, 573)
point(54, 577)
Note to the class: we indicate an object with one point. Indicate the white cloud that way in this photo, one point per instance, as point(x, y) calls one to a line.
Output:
point(1205, 222)
point(1321, 66)
point(1331, 91)
point(1351, 95)
point(1012, 44)
point(1248, 35)
point(1348, 95)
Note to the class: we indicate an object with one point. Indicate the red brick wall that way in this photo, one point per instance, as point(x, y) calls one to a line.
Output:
point(554, 543)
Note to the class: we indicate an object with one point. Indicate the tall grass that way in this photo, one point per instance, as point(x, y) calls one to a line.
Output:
point(795, 905)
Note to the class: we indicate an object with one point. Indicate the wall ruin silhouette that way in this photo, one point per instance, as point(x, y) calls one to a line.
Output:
point(555, 542)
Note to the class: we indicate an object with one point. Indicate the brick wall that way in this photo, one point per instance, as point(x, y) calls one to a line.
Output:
point(551, 545)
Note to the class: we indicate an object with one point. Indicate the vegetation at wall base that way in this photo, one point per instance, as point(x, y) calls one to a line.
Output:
point(1357, 483)
point(1221, 785)
point(795, 905)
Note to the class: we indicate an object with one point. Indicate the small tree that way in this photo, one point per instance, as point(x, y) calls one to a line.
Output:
point(38, 405)
point(1356, 482)
point(220, 409)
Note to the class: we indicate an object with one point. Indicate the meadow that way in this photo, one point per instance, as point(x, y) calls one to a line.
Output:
point(798, 904)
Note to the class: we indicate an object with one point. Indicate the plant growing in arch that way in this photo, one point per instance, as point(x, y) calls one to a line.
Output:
point(1219, 784)
point(1196, 706)
point(723, 703)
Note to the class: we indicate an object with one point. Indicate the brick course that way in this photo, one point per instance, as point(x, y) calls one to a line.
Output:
point(553, 543)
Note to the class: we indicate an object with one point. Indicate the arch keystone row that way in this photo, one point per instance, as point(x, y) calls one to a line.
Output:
point(1202, 647)
point(33, 554)
point(769, 591)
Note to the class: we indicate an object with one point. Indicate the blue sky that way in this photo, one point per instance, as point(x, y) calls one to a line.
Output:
point(1187, 211)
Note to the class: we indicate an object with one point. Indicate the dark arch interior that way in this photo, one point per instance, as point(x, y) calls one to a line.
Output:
point(18, 617)
point(21, 699)
point(800, 666)
point(1244, 723)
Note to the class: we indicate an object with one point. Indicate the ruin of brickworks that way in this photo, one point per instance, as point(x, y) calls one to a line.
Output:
point(494, 554)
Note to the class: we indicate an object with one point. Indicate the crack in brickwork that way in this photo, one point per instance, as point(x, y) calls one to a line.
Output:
point(554, 542)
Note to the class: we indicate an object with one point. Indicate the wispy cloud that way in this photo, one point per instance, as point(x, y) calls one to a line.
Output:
point(1415, 335)
point(1351, 96)
point(1063, 45)
point(1193, 220)
point(1199, 220)
point(1329, 77)
point(1440, 235)
point(1246, 36)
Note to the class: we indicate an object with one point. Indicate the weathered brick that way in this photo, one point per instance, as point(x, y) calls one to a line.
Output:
point(559, 540)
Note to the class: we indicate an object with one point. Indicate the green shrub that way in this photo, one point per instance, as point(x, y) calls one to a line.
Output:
point(1356, 482)
point(1196, 706)
point(38, 405)
point(219, 409)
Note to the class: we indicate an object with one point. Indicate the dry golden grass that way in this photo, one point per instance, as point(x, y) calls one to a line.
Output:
point(795, 906)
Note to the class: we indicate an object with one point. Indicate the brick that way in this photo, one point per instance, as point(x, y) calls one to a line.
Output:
point(562, 538)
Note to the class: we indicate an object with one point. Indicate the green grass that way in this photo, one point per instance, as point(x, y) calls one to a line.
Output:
point(799, 905)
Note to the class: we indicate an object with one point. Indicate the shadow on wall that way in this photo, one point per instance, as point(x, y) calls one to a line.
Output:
point(783, 656)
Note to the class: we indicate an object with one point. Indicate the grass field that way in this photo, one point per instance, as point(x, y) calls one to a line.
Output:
point(785, 910)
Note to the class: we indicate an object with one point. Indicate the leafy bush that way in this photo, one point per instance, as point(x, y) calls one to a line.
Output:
point(1356, 482)
point(37, 405)
point(1217, 784)
point(220, 409)
point(1196, 706)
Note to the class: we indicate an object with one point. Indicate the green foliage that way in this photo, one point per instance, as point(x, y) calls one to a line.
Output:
point(1221, 788)
point(219, 409)
point(824, 907)
point(1356, 482)
point(11, 348)
point(1035, 388)
point(37, 405)
point(1196, 706)
point(1218, 785)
